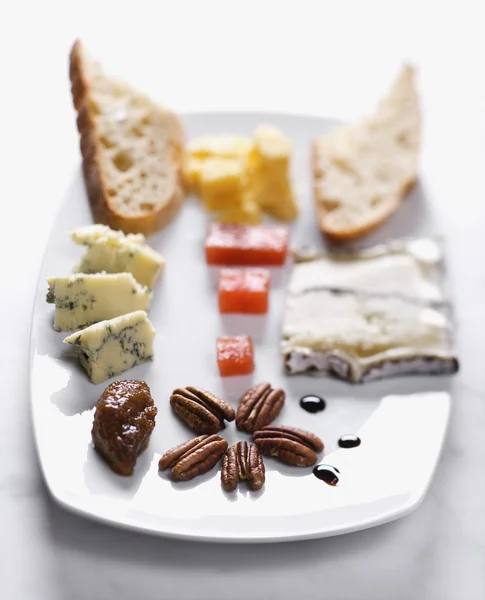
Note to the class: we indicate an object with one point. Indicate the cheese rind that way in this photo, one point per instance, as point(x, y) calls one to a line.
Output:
point(114, 252)
point(111, 347)
point(84, 299)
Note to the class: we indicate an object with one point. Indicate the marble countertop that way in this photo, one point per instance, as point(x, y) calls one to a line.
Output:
point(322, 59)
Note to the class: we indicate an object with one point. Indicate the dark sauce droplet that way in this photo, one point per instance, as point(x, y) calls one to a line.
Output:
point(327, 473)
point(312, 403)
point(349, 441)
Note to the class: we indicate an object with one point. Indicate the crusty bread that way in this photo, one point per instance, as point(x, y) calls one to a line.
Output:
point(132, 150)
point(361, 172)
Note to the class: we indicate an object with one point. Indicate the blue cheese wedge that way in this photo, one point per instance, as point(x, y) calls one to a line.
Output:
point(114, 252)
point(83, 299)
point(367, 315)
point(111, 347)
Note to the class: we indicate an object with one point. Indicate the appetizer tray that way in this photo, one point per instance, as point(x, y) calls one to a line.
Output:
point(401, 421)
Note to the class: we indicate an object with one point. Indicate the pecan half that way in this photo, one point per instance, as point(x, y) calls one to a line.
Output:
point(291, 445)
point(242, 461)
point(202, 411)
point(193, 457)
point(258, 407)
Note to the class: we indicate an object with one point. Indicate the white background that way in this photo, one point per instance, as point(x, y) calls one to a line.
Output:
point(329, 58)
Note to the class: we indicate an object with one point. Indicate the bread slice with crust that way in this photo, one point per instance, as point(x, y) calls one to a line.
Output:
point(132, 150)
point(362, 171)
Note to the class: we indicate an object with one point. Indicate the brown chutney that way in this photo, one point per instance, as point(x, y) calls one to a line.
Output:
point(123, 422)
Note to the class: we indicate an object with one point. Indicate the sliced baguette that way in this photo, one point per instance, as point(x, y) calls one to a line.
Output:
point(132, 150)
point(361, 172)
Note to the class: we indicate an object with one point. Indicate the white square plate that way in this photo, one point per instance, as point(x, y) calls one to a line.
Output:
point(402, 422)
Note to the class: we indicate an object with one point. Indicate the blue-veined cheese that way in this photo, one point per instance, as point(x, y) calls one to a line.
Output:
point(114, 252)
point(109, 348)
point(84, 299)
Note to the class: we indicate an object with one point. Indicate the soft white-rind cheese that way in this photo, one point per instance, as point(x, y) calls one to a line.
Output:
point(411, 268)
point(363, 315)
point(84, 299)
point(111, 347)
point(363, 325)
point(114, 252)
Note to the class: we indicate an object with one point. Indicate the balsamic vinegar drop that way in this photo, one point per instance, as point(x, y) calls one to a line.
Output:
point(312, 403)
point(327, 473)
point(349, 441)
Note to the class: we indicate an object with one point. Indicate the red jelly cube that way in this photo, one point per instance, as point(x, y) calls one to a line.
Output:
point(243, 291)
point(235, 355)
point(246, 245)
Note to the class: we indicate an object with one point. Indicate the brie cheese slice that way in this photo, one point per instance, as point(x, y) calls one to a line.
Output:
point(370, 314)
point(411, 268)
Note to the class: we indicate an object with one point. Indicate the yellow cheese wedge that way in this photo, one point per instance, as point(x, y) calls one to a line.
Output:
point(284, 211)
point(221, 146)
point(278, 200)
point(268, 173)
point(271, 145)
point(221, 182)
point(238, 177)
point(247, 213)
point(192, 168)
